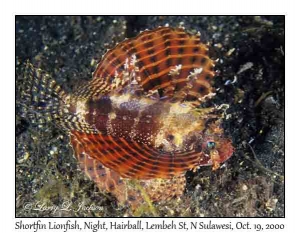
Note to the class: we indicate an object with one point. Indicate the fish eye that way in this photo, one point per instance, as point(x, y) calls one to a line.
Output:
point(211, 145)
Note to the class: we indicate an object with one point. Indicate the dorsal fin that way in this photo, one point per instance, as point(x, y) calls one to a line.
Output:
point(171, 61)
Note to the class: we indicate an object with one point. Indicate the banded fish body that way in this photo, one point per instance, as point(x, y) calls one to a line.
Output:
point(138, 119)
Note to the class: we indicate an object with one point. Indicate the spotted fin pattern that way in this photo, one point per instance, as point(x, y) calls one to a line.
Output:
point(44, 101)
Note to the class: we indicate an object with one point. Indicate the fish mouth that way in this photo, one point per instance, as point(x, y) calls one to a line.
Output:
point(225, 150)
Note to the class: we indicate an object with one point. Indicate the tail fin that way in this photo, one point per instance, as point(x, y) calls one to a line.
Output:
point(43, 101)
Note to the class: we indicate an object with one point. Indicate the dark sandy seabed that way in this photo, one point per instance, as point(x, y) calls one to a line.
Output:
point(250, 184)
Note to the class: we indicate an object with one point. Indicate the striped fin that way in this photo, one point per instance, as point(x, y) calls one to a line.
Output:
point(43, 101)
point(125, 190)
point(41, 96)
point(133, 160)
point(167, 60)
point(105, 178)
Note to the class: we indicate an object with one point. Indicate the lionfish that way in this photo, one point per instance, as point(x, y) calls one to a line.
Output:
point(140, 117)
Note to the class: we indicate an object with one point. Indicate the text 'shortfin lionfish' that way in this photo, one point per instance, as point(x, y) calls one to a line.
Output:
point(138, 118)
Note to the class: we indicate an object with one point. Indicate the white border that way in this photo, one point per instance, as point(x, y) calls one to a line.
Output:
point(187, 7)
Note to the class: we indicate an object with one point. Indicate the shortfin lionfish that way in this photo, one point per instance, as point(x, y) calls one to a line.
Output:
point(140, 116)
